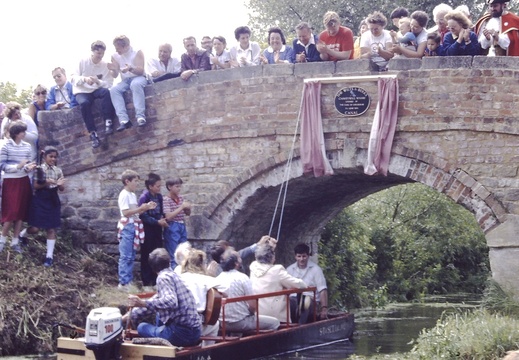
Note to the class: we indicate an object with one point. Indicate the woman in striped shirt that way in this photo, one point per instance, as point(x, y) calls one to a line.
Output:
point(15, 162)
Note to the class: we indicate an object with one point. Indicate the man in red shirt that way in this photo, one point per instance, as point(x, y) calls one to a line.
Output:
point(336, 42)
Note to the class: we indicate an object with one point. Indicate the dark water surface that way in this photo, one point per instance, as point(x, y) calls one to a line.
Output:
point(389, 330)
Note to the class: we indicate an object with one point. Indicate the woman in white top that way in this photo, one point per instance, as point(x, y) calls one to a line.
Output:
point(419, 20)
point(376, 43)
point(246, 52)
point(222, 57)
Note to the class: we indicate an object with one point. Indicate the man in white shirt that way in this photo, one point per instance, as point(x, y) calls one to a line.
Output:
point(165, 66)
point(312, 275)
point(92, 80)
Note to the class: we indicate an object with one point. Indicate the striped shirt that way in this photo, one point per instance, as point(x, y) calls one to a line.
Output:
point(173, 302)
point(171, 205)
point(11, 154)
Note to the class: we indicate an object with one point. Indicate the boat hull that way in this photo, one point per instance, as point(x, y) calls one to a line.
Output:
point(249, 347)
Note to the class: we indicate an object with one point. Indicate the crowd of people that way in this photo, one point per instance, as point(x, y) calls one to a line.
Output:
point(182, 276)
point(496, 33)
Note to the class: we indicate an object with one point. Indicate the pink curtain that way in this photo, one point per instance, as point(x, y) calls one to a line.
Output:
point(313, 153)
point(383, 128)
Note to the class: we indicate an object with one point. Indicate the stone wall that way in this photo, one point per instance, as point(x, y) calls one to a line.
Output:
point(228, 134)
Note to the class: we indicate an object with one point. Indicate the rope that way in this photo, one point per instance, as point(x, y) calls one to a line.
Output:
point(284, 185)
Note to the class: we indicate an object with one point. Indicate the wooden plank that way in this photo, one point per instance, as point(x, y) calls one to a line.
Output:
point(75, 349)
point(131, 351)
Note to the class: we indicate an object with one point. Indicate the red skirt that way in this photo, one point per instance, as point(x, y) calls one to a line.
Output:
point(16, 199)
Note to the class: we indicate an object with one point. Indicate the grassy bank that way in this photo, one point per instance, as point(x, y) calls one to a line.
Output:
point(34, 298)
point(486, 333)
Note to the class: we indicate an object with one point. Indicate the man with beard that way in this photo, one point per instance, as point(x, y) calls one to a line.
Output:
point(498, 30)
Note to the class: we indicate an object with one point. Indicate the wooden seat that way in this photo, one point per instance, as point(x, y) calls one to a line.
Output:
point(219, 338)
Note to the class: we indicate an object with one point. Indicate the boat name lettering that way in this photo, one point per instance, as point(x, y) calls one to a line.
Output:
point(332, 329)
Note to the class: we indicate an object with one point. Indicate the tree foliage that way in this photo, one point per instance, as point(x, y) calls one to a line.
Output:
point(412, 241)
point(9, 92)
point(288, 13)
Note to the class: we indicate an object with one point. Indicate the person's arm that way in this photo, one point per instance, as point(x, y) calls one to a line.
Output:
point(256, 51)
point(289, 55)
point(386, 54)
point(31, 111)
point(114, 68)
point(323, 299)
point(153, 69)
point(137, 67)
point(473, 45)
point(288, 281)
point(410, 53)
point(145, 216)
point(205, 63)
point(31, 134)
point(50, 103)
point(170, 213)
point(138, 210)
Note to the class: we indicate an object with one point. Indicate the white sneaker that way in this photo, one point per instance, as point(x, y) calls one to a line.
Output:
point(141, 121)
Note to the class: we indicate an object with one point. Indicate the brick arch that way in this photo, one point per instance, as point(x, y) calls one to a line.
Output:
point(246, 212)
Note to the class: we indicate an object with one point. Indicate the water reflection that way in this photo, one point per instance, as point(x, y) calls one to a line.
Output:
point(389, 330)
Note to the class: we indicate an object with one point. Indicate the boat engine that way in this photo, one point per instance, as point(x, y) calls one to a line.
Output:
point(104, 333)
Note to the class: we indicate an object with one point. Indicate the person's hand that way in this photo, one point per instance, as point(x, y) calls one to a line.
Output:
point(187, 74)
point(263, 59)
point(60, 104)
point(466, 35)
point(163, 223)
point(396, 49)
point(113, 66)
point(301, 58)
point(186, 205)
point(151, 205)
point(321, 47)
point(89, 80)
point(134, 300)
point(234, 63)
point(61, 181)
point(324, 313)
point(243, 60)
point(22, 163)
point(126, 68)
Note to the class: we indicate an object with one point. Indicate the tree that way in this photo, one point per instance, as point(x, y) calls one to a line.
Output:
point(9, 92)
point(403, 242)
point(288, 13)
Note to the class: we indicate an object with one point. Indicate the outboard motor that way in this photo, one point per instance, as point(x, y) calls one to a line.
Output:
point(104, 333)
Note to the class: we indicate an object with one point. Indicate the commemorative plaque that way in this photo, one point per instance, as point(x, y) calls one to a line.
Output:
point(352, 101)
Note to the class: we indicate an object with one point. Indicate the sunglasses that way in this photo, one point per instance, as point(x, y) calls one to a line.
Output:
point(38, 93)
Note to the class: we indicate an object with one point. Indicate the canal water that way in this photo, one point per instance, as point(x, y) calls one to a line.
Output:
point(389, 330)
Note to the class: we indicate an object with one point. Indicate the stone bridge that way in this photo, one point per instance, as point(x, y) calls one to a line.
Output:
point(228, 135)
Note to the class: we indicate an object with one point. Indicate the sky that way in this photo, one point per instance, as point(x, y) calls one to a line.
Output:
point(37, 36)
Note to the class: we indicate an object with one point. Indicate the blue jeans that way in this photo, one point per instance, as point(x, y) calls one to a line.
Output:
point(136, 84)
point(176, 334)
point(126, 254)
point(86, 101)
point(174, 234)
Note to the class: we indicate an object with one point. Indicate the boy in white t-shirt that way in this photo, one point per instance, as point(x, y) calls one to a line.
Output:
point(131, 231)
